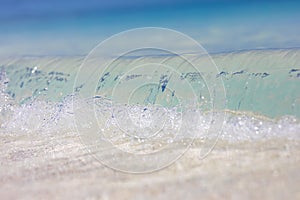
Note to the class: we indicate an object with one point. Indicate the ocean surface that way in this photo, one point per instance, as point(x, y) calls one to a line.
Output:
point(260, 84)
point(54, 116)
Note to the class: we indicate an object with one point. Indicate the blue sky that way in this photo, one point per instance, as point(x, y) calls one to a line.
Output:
point(32, 27)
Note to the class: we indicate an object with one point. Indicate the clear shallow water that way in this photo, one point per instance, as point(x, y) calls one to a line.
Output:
point(262, 92)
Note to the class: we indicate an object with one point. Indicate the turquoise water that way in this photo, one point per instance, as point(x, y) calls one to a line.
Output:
point(262, 95)
point(262, 82)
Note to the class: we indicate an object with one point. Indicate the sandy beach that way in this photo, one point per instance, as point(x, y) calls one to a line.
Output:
point(58, 167)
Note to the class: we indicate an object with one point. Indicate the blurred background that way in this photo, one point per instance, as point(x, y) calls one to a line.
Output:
point(32, 27)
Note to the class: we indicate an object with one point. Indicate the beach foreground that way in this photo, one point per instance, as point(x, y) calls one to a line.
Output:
point(58, 167)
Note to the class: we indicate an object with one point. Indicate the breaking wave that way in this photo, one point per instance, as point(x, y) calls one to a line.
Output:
point(37, 95)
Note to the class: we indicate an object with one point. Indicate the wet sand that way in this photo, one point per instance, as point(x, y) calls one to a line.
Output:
point(37, 166)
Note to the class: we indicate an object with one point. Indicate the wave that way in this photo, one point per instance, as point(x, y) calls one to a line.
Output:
point(262, 98)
